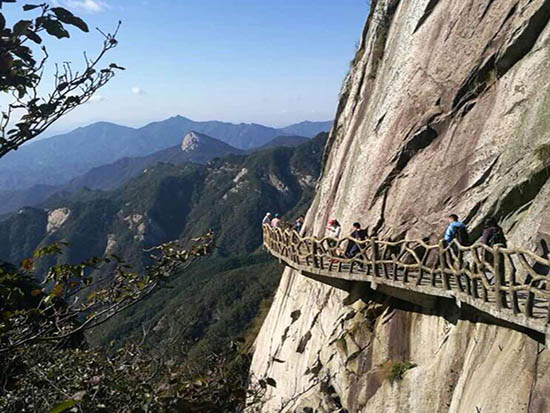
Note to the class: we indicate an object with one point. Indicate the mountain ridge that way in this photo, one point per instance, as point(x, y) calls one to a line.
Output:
point(58, 159)
point(112, 175)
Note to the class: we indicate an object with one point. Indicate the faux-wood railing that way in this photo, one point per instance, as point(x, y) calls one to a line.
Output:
point(510, 284)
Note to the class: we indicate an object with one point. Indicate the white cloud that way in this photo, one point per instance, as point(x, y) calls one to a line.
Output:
point(138, 91)
point(92, 6)
point(96, 98)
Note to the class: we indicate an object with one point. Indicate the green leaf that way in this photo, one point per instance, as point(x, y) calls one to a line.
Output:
point(115, 66)
point(21, 27)
point(64, 406)
point(271, 382)
point(28, 7)
point(53, 249)
point(78, 22)
point(46, 109)
point(56, 29)
point(62, 14)
point(2, 22)
point(67, 17)
point(33, 36)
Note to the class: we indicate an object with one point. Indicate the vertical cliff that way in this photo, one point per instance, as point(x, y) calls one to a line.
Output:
point(446, 109)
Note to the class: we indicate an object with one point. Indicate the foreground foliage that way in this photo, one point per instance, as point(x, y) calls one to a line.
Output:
point(21, 74)
point(44, 357)
point(129, 379)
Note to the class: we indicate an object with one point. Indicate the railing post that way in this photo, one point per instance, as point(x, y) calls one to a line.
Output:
point(512, 282)
point(314, 254)
point(394, 267)
point(529, 304)
point(442, 265)
point(422, 263)
point(498, 277)
point(375, 271)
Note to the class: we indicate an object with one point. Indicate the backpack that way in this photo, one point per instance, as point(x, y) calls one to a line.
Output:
point(497, 237)
point(462, 236)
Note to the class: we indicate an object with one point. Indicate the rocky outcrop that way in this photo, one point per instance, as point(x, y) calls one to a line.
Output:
point(191, 141)
point(56, 219)
point(446, 109)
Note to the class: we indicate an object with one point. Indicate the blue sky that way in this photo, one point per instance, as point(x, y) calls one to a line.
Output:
point(273, 62)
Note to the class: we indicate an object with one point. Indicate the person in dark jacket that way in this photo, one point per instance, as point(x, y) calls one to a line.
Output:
point(299, 224)
point(359, 234)
point(492, 233)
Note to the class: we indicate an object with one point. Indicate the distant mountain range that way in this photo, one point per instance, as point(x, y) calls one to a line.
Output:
point(306, 128)
point(59, 159)
point(195, 147)
point(288, 141)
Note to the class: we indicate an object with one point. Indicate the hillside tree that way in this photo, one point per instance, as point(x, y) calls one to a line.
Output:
point(23, 62)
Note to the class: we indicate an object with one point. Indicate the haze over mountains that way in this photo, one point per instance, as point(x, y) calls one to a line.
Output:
point(59, 159)
point(194, 147)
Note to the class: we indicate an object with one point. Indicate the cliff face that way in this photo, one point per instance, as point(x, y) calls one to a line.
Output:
point(446, 109)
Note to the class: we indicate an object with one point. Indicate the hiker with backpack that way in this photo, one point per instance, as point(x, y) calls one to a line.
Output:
point(358, 234)
point(492, 233)
point(456, 230)
point(492, 236)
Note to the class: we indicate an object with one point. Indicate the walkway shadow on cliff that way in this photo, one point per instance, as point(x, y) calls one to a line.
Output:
point(415, 302)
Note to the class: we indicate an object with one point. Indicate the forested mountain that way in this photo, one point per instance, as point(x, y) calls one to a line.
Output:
point(57, 160)
point(216, 299)
point(285, 141)
point(195, 147)
point(306, 128)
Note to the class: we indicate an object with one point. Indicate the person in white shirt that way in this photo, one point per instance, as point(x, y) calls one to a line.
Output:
point(267, 219)
point(334, 229)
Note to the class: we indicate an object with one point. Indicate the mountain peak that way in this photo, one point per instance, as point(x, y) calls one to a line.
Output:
point(179, 117)
point(193, 139)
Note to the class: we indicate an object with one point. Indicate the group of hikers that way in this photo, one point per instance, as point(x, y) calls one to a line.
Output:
point(275, 221)
point(492, 233)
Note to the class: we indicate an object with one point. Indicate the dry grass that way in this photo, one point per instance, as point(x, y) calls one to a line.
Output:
point(394, 370)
